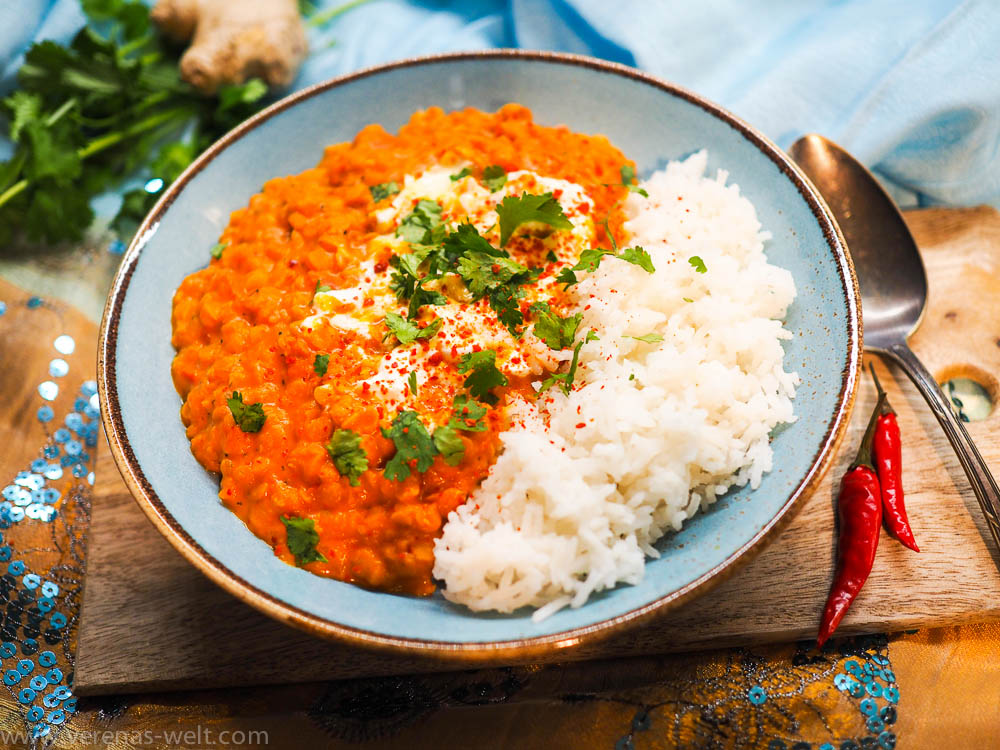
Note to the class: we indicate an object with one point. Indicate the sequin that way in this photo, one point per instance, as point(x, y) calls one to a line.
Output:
point(856, 689)
point(58, 620)
point(61, 435)
point(54, 472)
point(880, 660)
point(31, 580)
point(887, 740)
point(776, 744)
point(73, 448)
point(79, 471)
point(89, 388)
point(26, 667)
point(48, 390)
point(892, 694)
point(889, 675)
point(50, 700)
point(62, 692)
point(50, 495)
point(38, 683)
point(95, 402)
point(16, 568)
point(79, 405)
point(842, 681)
point(34, 714)
point(40, 730)
point(74, 421)
point(9, 492)
point(90, 479)
point(29, 646)
point(869, 707)
point(45, 605)
point(51, 451)
point(874, 689)
point(38, 465)
point(64, 344)
point(852, 667)
point(50, 590)
point(47, 658)
point(58, 368)
point(28, 479)
point(11, 677)
point(54, 676)
point(866, 678)
point(874, 724)
point(22, 498)
point(757, 695)
point(826, 746)
point(3, 307)
point(7, 649)
point(34, 302)
point(56, 717)
point(45, 413)
point(70, 705)
point(15, 514)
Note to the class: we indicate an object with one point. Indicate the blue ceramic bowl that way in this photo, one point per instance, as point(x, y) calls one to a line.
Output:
point(650, 121)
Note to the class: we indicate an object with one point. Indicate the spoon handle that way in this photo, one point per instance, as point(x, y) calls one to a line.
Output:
point(975, 467)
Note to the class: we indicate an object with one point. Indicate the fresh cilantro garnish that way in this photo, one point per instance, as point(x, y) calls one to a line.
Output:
point(483, 374)
point(631, 376)
point(459, 175)
point(628, 177)
point(320, 288)
point(449, 444)
point(382, 191)
point(423, 226)
point(590, 260)
point(514, 212)
point(494, 177)
point(302, 538)
point(698, 264)
point(413, 443)
point(348, 456)
point(566, 378)
point(551, 257)
point(412, 382)
point(687, 299)
point(467, 414)
point(421, 297)
point(637, 257)
point(558, 333)
point(466, 239)
point(484, 272)
point(406, 331)
point(217, 249)
point(648, 338)
point(320, 363)
point(248, 418)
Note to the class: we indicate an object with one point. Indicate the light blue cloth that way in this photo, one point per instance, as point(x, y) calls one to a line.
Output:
point(910, 87)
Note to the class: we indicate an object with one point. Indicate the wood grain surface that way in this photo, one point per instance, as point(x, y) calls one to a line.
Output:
point(150, 621)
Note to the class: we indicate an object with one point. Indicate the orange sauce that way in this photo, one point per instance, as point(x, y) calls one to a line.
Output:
point(236, 328)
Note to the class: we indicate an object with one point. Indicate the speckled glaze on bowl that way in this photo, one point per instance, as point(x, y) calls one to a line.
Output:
point(649, 120)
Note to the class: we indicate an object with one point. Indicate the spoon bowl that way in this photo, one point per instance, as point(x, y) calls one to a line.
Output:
point(893, 286)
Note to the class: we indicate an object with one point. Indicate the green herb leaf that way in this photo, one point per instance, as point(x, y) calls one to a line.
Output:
point(687, 299)
point(648, 338)
point(567, 277)
point(248, 418)
point(467, 414)
point(423, 226)
point(558, 333)
point(421, 297)
point(637, 257)
point(449, 444)
point(513, 212)
point(590, 259)
point(483, 272)
point(321, 363)
point(459, 175)
point(320, 288)
point(566, 378)
point(412, 442)
point(412, 382)
point(233, 95)
point(348, 456)
point(302, 538)
point(628, 177)
point(494, 177)
point(383, 190)
point(406, 331)
point(698, 264)
point(483, 374)
point(217, 249)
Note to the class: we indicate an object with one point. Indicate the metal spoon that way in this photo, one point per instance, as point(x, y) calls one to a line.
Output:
point(893, 288)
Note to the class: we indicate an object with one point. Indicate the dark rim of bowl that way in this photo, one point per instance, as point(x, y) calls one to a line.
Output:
point(520, 648)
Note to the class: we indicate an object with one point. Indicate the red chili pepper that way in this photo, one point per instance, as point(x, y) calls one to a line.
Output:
point(859, 507)
point(888, 454)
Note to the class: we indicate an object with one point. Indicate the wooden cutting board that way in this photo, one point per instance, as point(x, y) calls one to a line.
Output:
point(150, 621)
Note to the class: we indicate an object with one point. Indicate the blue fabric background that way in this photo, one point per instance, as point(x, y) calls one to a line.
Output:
point(910, 87)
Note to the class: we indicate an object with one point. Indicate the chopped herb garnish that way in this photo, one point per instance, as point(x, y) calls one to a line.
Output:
point(687, 299)
point(558, 333)
point(217, 249)
point(413, 443)
point(423, 226)
point(449, 444)
point(514, 212)
point(567, 377)
point(637, 257)
point(459, 175)
point(248, 418)
point(484, 272)
point(302, 538)
point(551, 257)
point(406, 331)
point(320, 363)
point(467, 414)
point(383, 191)
point(348, 456)
point(421, 297)
point(320, 288)
point(631, 376)
point(648, 338)
point(698, 264)
point(628, 177)
point(494, 177)
point(590, 260)
point(483, 374)
point(412, 382)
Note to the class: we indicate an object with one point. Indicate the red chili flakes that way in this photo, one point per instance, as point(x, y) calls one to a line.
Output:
point(580, 424)
point(381, 266)
point(434, 359)
point(557, 193)
point(369, 301)
point(583, 208)
point(293, 262)
point(495, 268)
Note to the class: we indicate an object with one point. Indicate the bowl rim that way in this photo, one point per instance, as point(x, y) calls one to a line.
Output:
point(477, 651)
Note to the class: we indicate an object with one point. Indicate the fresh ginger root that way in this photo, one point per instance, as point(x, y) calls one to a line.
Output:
point(233, 40)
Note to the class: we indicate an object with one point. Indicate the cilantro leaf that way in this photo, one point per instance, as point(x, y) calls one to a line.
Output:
point(648, 338)
point(248, 418)
point(383, 190)
point(494, 177)
point(321, 288)
point(567, 277)
point(483, 374)
point(698, 264)
point(412, 382)
point(412, 442)
point(628, 177)
point(513, 212)
point(484, 272)
point(406, 331)
point(421, 297)
point(567, 377)
point(302, 538)
point(558, 333)
point(637, 257)
point(467, 414)
point(590, 259)
point(348, 456)
point(321, 363)
point(459, 175)
point(217, 249)
point(504, 300)
point(687, 299)
point(466, 239)
point(423, 226)
point(449, 444)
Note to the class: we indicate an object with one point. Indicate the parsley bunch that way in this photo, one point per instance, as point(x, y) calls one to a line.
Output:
point(89, 114)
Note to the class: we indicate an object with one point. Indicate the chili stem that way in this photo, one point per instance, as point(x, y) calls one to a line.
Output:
point(886, 407)
point(864, 457)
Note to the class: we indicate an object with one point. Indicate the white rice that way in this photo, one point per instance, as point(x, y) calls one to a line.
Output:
point(568, 510)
